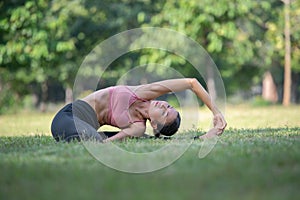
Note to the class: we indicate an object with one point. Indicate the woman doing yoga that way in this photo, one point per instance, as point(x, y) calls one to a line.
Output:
point(128, 108)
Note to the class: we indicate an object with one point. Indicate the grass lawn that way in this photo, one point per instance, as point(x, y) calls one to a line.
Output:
point(258, 157)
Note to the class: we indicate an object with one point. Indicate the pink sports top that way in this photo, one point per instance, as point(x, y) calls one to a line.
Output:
point(121, 98)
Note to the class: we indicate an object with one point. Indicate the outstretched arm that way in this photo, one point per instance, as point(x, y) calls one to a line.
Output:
point(154, 90)
point(219, 121)
point(201, 93)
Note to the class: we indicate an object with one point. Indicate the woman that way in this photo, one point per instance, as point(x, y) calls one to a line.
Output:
point(128, 108)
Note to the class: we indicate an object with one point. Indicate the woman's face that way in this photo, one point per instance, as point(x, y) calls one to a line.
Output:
point(162, 112)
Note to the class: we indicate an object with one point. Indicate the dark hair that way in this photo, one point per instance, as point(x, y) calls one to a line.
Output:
point(168, 129)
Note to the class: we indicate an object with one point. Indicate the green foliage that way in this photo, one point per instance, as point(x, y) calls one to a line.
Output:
point(45, 41)
point(275, 35)
point(33, 44)
point(8, 101)
point(231, 31)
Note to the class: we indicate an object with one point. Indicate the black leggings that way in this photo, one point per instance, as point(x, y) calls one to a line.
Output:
point(78, 121)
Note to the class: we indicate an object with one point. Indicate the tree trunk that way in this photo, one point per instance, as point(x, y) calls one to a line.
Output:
point(44, 87)
point(287, 57)
point(68, 95)
point(269, 90)
point(295, 87)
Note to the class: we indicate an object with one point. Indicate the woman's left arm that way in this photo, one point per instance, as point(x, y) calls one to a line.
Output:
point(134, 130)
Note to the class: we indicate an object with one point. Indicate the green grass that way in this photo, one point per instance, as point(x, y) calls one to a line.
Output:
point(250, 161)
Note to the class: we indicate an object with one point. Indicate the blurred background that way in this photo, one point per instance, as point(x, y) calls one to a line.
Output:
point(254, 43)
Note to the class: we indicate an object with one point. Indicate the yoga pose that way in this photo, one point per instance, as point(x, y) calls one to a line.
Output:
point(128, 108)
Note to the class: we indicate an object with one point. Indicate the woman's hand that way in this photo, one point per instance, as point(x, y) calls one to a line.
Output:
point(219, 126)
point(219, 123)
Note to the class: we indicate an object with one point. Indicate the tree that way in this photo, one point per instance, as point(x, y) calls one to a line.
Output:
point(283, 36)
point(231, 31)
point(34, 43)
point(43, 42)
point(287, 57)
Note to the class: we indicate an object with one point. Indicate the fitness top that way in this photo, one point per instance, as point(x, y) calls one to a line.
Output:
point(121, 98)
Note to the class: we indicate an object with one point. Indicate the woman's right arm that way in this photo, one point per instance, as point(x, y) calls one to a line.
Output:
point(219, 121)
point(153, 90)
point(156, 89)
